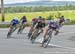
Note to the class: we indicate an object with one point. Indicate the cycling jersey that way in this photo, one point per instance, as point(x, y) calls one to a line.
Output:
point(24, 21)
point(61, 20)
point(14, 22)
point(40, 25)
point(54, 25)
point(34, 21)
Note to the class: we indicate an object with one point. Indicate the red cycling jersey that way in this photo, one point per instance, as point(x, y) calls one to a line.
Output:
point(34, 20)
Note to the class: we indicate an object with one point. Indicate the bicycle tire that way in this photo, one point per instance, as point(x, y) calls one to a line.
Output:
point(34, 36)
point(10, 33)
point(47, 41)
point(30, 33)
point(20, 30)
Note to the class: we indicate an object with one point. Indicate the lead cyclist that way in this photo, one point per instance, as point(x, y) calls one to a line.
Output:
point(51, 25)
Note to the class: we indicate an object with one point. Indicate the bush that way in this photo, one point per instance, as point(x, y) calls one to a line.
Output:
point(7, 25)
point(4, 25)
point(27, 25)
point(50, 17)
point(73, 22)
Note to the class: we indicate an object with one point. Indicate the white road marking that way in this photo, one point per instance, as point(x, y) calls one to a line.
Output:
point(41, 39)
point(61, 46)
point(59, 52)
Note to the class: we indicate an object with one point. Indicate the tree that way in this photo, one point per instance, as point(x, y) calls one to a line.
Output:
point(2, 10)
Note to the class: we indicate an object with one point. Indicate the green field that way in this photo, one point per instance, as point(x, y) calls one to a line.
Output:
point(68, 14)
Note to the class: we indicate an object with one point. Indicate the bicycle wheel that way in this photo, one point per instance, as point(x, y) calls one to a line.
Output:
point(47, 40)
point(10, 32)
point(20, 30)
point(30, 33)
point(34, 36)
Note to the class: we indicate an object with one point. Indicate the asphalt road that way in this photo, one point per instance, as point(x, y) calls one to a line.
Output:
point(63, 43)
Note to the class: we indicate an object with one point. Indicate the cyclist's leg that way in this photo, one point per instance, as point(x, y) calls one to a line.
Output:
point(61, 24)
point(31, 30)
point(40, 31)
point(42, 28)
point(11, 27)
point(20, 26)
point(32, 27)
point(46, 32)
point(10, 31)
point(44, 38)
point(15, 27)
point(34, 31)
point(23, 26)
point(56, 31)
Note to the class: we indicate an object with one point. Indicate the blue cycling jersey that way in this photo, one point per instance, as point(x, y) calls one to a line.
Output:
point(14, 22)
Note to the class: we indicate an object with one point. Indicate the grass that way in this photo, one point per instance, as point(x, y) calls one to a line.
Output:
point(68, 14)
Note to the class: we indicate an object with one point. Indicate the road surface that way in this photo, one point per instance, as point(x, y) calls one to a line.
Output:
point(63, 43)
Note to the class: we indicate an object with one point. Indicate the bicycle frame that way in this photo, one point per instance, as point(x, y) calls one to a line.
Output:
point(48, 39)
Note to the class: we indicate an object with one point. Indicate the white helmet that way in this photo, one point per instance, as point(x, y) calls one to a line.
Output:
point(56, 20)
point(51, 20)
point(15, 18)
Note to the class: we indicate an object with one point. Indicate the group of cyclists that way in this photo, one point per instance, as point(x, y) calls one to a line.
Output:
point(15, 23)
point(38, 25)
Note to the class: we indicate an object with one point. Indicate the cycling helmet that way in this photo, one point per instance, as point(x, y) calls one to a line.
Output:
point(15, 18)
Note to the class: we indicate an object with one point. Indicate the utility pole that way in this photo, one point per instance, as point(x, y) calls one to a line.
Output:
point(2, 10)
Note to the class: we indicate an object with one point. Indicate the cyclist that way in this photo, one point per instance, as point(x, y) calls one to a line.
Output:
point(34, 21)
point(39, 26)
point(23, 22)
point(13, 26)
point(52, 25)
point(61, 21)
point(42, 26)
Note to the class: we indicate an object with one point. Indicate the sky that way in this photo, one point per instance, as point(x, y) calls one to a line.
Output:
point(21, 1)
point(16, 1)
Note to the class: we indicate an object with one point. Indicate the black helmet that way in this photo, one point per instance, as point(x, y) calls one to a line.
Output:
point(62, 16)
point(40, 17)
point(24, 17)
point(43, 18)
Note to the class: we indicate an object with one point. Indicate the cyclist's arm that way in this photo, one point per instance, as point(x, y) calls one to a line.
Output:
point(35, 25)
point(11, 22)
point(47, 27)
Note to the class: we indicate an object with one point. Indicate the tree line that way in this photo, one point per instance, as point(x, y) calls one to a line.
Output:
point(22, 9)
